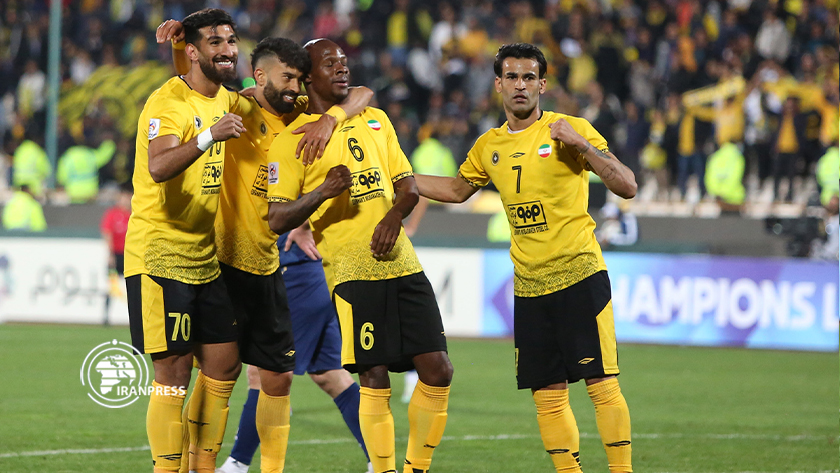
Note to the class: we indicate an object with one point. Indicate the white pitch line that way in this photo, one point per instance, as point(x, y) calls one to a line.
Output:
point(464, 438)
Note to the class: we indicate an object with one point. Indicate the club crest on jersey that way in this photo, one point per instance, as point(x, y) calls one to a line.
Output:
point(544, 151)
point(198, 122)
point(154, 128)
point(374, 125)
point(495, 158)
point(263, 128)
point(272, 173)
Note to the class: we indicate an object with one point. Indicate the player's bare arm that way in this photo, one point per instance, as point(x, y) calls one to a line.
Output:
point(445, 189)
point(168, 157)
point(284, 216)
point(618, 178)
point(303, 238)
point(318, 133)
point(386, 232)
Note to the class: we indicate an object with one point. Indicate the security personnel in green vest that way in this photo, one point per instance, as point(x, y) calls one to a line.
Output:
point(724, 176)
point(23, 212)
point(78, 170)
point(828, 174)
point(30, 166)
point(432, 158)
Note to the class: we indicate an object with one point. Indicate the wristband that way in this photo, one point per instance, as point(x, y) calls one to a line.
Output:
point(180, 45)
point(205, 140)
point(338, 113)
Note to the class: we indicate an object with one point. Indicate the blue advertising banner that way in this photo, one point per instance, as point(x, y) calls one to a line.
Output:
point(700, 300)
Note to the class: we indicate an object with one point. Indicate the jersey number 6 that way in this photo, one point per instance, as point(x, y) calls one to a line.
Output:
point(355, 149)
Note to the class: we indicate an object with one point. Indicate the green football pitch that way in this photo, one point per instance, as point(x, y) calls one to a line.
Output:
point(703, 410)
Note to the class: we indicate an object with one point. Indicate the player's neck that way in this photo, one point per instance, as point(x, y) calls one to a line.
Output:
point(318, 104)
point(259, 96)
point(520, 123)
point(200, 83)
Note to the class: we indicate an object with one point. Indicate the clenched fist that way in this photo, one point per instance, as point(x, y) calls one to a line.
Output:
point(230, 126)
point(338, 180)
point(561, 130)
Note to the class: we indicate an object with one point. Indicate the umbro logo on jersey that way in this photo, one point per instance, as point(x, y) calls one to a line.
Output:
point(290, 353)
point(346, 128)
point(586, 361)
point(517, 155)
point(198, 122)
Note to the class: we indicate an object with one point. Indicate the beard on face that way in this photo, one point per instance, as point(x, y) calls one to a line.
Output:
point(274, 96)
point(208, 67)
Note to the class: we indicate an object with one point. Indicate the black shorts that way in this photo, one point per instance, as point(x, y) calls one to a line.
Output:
point(388, 322)
point(262, 313)
point(168, 315)
point(565, 336)
point(119, 263)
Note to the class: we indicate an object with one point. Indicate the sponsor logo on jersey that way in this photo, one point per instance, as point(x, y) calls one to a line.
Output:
point(211, 179)
point(495, 158)
point(198, 122)
point(374, 125)
point(154, 128)
point(367, 185)
point(517, 155)
point(261, 182)
point(544, 151)
point(273, 174)
point(527, 217)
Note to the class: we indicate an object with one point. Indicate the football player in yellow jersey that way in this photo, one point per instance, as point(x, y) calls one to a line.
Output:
point(563, 321)
point(355, 198)
point(178, 306)
point(248, 254)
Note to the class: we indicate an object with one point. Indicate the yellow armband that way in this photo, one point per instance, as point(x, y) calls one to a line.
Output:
point(180, 45)
point(338, 113)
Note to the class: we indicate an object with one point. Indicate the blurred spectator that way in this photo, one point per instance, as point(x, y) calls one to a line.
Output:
point(30, 166)
point(434, 159)
point(31, 91)
point(773, 39)
point(23, 212)
point(787, 150)
point(78, 170)
point(724, 177)
point(619, 228)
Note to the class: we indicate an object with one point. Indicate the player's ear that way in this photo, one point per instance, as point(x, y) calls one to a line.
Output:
point(260, 76)
point(498, 85)
point(192, 52)
point(542, 86)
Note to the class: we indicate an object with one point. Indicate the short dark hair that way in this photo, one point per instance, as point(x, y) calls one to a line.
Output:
point(285, 50)
point(212, 17)
point(519, 51)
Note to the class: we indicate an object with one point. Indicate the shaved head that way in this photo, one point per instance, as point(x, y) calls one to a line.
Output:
point(329, 78)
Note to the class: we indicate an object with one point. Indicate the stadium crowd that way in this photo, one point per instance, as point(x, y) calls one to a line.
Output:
point(668, 82)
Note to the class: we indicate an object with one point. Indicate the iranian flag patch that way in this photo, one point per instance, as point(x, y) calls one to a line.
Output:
point(375, 125)
point(544, 151)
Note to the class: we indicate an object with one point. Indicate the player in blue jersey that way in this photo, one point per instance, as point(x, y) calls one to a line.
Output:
point(317, 344)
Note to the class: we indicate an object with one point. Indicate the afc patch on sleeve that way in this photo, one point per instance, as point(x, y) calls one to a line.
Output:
point(154, 128)
point(272, 174)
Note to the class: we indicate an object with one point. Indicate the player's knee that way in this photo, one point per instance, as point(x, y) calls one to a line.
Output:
point(332, 382)
point(276, 384)
point(375, 377)
point(172, 369)
point(443, 376)
point(253, 377)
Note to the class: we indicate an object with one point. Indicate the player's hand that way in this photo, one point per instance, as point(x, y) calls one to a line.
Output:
point(385, 235)
point(230, 126)
point(316, 135)
point(170, 30)
point(302, 237)
point(561, 130)
point(338, 180)
point(248, 91)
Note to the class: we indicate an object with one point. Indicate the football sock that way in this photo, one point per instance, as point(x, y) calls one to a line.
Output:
point(377, 425)
point(272, 420)
point(187, 449)
point(208, 418)
point(426, 420)
point(613, 419)
point(348, 403)
point(558, 428)
point(247, 438)
point(164, 427)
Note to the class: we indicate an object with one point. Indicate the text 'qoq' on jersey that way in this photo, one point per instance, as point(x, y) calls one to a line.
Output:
point(243, 237)
point(170, 232)
point(343, 226)
point(545, 191)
